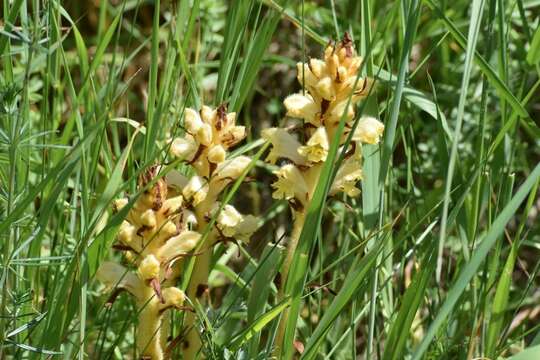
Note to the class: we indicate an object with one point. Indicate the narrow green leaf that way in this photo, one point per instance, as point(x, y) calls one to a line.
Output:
point(257, 325)
point(481, 253)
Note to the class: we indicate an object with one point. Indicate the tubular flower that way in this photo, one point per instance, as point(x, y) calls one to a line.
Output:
point(152, 235)
point(209, 135)
point(332, 89)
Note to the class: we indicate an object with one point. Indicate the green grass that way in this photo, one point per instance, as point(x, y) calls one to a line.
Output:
point(438, 257)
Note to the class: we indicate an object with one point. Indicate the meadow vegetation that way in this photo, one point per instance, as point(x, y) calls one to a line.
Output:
point(257, 179)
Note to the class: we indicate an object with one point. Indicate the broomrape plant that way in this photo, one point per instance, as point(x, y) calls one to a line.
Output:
point(210, 133)
point(328, 84)
point(166, 223)
point(154, 235)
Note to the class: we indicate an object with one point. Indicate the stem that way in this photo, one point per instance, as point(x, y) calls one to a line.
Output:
point(291, 248)
point(199, 277)
point(150, 333)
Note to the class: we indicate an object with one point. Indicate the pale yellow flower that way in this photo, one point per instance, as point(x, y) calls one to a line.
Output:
point(369, 130)
point(290, 184)
point(317, 146)
point(179, 245)
point(149, 268)
point(303, 107)
point(284, 146)
point(184, 148)
point(196, 189)
point(117, 276)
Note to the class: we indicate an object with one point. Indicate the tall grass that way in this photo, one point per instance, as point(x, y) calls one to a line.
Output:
point(437, 258)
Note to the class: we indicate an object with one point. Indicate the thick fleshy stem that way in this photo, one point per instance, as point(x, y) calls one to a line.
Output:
point(298, 225)
point(210, 133)
point(196, 290)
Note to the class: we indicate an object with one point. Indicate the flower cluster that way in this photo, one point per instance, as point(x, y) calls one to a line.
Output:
point(328, 85)
point(209, 135)
point(166, 222)
point(154, 236)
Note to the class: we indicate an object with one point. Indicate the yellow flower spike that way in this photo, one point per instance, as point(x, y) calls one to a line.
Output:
point(214, 132)
point(317, 146)
point(329, 95)
point(162, 212)
point(369, 130)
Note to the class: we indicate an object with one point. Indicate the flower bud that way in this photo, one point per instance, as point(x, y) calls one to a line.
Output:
point(127, 232)
point(149, 268)
point(204, 134)
point(148, 218)
point(325, 88)
point(192, 121)
point(173, 297)
point(216, 154)
point(303, 107)
point(184, 148)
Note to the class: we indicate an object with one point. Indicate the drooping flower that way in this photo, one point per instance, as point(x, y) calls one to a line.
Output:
point(317, 146)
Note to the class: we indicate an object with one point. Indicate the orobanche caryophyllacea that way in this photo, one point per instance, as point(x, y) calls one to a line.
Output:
point(154, 235)
point(166, 224)
point(332, 89)
point(210, 133)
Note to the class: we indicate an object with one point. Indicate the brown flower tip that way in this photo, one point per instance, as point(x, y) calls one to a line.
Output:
point(157, 193)
point(347, 44)
point(221, 119)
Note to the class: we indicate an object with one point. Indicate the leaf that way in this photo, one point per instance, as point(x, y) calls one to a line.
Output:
point(481, 253)
point(490, 74)
point(533, 56)
point(257, 325)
